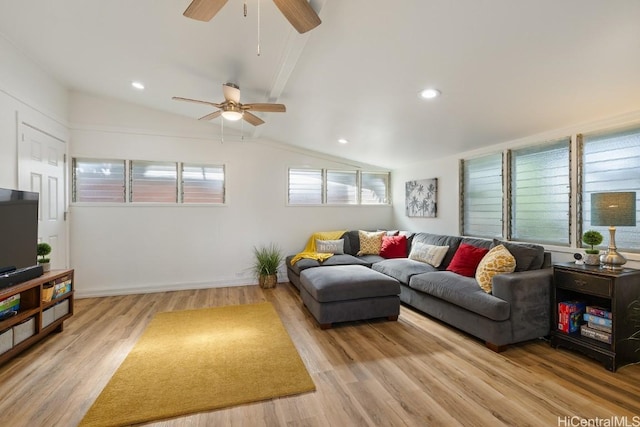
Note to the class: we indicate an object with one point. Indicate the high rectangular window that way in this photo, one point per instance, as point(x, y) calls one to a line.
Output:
point(540, 193)
point(374, 188)
point(203, 184)
point(98, 180)
point(155, 182)
point(305, 186)
point(342, 187)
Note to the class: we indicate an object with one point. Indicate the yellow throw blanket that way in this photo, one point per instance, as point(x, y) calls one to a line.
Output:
point(310, 250)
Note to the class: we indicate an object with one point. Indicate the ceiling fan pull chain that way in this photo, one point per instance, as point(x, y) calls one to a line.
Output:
point(221, 130)
point(245, 8)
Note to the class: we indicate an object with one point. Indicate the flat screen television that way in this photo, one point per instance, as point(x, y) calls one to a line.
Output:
point(18, 229)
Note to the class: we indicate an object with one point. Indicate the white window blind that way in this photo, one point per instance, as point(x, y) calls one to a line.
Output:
point(374, 188)
point(154, 182)
point(203, 184)
point(305, 186)
point(482, 196)
point(611, 163)
point(342, 187)
point(98, 180)
point(540, 194)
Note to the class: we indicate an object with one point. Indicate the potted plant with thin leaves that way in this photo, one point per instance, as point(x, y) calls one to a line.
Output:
point(44, 249)
point(592, 238)
point(267, 261)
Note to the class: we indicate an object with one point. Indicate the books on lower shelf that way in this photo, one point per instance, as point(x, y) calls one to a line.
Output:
point(595, 334)
point(597, 320)
point(599, 311)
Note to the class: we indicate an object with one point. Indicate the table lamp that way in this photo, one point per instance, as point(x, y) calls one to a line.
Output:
point(613, 209)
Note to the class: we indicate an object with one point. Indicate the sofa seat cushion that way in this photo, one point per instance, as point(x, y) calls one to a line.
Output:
point(343, 259)
point(369, 260)
point(402, 269)
point(347, 282)
point(461, 291)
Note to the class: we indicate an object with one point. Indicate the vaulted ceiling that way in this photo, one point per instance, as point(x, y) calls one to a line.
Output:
point(506, 69)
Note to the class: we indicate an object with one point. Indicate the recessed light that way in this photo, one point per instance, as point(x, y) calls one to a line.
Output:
point(430, 93)
point(138, 85)
point(343, 141)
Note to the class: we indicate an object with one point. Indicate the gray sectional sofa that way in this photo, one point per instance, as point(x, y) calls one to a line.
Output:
point(518, 308)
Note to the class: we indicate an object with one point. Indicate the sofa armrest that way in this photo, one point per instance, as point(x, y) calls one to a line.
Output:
point(529, 296)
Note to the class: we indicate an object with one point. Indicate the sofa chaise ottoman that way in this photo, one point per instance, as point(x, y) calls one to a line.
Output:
point(344, 293)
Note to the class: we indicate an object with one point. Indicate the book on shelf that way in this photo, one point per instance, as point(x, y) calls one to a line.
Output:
point(599, 327)
point(597, 320)
point(9, 305)
point(62, 287)
point(570, 315)
point(599, 311)
point(595, 334)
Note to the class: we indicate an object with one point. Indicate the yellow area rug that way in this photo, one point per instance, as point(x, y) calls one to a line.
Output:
point(200, 360)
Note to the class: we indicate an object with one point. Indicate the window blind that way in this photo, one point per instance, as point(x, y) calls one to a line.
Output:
point(540, 194)
point(611, 163)
point(342, 187)
point(98, 180)
point(373, 188)
point(482, 196)
point(154, 182)
point(305, 186)
point(203, 184)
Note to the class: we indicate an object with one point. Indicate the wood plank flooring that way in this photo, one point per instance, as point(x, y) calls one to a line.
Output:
point(413, 372)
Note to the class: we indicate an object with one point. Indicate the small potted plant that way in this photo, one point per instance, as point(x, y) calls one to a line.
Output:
point(267, 262)
point(44, 249)
point(592, 238)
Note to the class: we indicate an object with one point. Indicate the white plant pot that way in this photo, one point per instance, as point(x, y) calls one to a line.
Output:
point(592, 259)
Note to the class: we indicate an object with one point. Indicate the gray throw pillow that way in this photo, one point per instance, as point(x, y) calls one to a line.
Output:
point(528, 256)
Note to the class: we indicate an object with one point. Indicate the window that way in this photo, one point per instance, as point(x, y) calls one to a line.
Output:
point(98, 181)
point(202, 184)
point(305, 186)
point(154, 182)
point(105, 181)
point(373, 189)
point(342, 187)
point(337, 187)
point(540, 194)
point(611, 163)
point(482, 196)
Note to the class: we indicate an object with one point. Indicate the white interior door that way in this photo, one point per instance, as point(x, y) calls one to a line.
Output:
point(42, 169)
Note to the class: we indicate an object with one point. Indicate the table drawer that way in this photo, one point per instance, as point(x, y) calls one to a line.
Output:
point(587, 283)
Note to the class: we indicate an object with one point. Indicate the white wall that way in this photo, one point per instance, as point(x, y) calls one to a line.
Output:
point(29, 94)
point(447, 172)
point(126, 249)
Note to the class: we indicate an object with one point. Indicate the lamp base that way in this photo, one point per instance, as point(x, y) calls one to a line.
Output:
point(612, 260)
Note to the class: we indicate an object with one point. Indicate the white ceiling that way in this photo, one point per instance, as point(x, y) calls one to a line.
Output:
point(507, 69)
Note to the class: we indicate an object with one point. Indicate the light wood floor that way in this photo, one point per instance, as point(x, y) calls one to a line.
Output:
point(413, 372)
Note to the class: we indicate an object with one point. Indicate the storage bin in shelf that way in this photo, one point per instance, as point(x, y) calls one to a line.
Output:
point(6, 340)
point(24, 330)
point(48, 317)
point(61, 309)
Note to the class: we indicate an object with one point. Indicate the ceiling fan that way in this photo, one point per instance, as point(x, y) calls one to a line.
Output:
point(232, 109)
point(298, 12)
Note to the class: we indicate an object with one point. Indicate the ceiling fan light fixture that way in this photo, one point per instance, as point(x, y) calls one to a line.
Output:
point(232, 115)
point(430, 93)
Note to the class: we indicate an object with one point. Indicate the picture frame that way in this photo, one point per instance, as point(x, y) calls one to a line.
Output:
point(421, 198)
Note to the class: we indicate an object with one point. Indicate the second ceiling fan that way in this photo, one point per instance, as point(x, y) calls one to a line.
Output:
point(232, 109)
point(298, 12)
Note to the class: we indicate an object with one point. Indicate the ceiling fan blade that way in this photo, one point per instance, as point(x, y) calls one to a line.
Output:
point(178, 98)
point(253, 119)
point(211, 116)
point(299, 13)
point(204, 10)
point(231, 92)
point(269, 108)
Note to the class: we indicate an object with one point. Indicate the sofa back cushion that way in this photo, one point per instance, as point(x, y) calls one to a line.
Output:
point(394, 247)
point(466, 260)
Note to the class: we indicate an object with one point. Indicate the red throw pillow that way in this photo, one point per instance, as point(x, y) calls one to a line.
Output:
point(394, 247)
point(466, 260)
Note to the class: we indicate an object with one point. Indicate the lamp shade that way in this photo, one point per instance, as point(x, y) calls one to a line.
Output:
point(613, 209)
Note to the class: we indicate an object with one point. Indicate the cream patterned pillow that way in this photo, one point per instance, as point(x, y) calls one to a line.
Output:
point(370, 242)
point(428, 253)
point(497, 261)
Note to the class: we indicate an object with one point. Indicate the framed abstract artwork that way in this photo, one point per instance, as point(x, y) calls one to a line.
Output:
point(421, 198)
